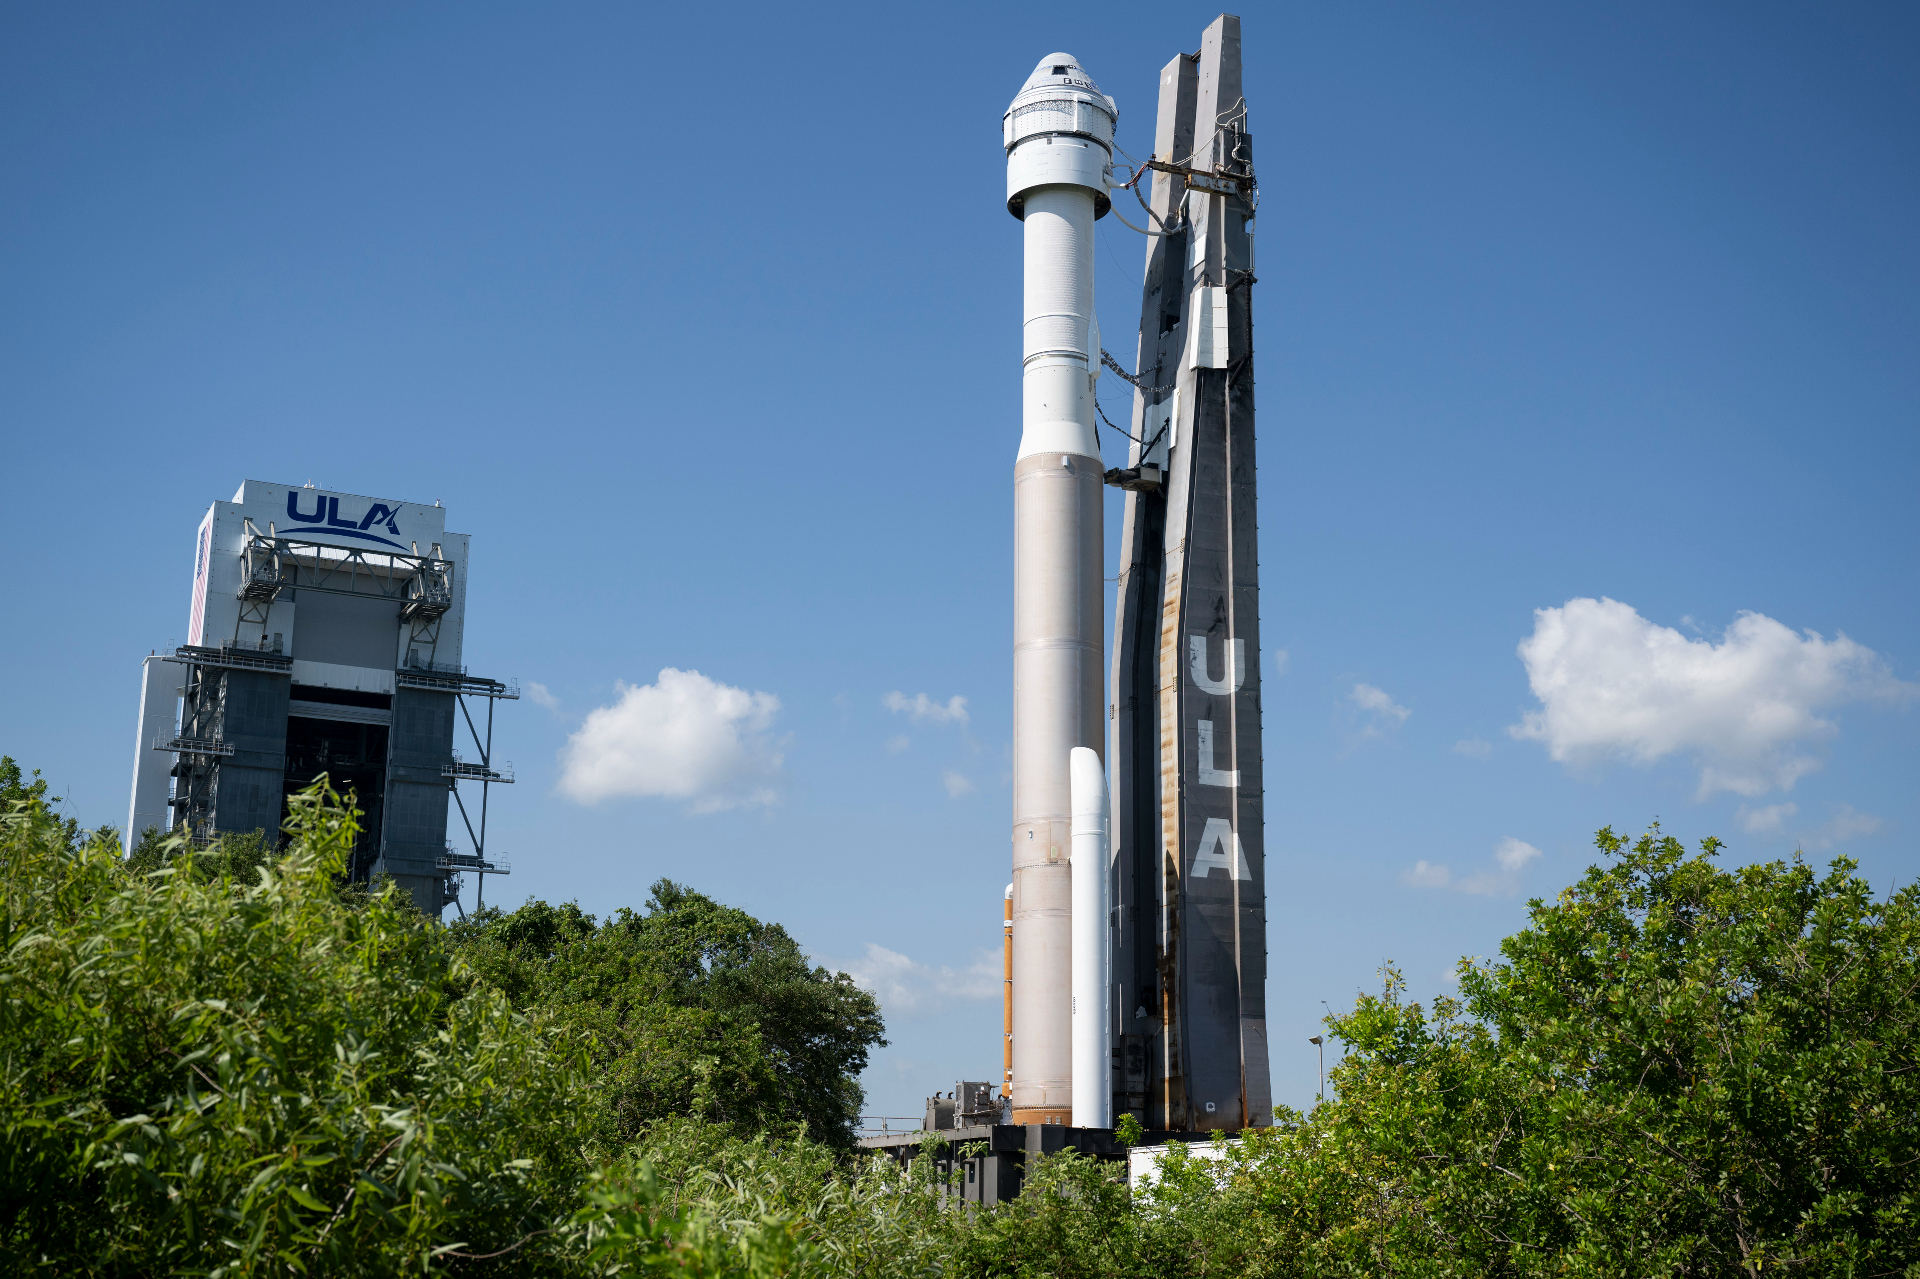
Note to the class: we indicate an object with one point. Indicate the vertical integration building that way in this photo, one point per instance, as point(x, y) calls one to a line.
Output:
point(325, 635)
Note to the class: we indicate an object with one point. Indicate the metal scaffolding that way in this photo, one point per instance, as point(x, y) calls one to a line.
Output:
point(200, 743)
point(270, 563)
point(484, 771)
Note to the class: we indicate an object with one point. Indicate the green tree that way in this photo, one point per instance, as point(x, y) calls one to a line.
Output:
point(1675, 1069)
point(1688, 1069)
point(239, 858)
point(16, 788)
point(693, 1008)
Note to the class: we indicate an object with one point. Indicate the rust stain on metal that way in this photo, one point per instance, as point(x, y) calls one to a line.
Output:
point(1172, 1054)
point(1214, 183)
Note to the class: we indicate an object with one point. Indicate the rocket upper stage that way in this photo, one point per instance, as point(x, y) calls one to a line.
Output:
point(1059, 132)
point(1058, 135)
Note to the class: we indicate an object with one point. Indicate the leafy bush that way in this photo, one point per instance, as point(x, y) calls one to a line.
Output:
point(236, 858)
point(221, 1062)
point(695, 1196)
point(205, 1076)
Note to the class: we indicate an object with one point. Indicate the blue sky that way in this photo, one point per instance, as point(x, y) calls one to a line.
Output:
point(706, 329)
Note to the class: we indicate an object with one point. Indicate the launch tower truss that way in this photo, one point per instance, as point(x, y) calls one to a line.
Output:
point(1188, 855)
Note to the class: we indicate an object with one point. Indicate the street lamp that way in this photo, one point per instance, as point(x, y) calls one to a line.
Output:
point(1321, 1048)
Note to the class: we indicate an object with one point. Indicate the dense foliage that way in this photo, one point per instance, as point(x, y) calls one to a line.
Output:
point(220, 1063)
point(691, 1008)
point(1676, 1069)
point(206, 1076)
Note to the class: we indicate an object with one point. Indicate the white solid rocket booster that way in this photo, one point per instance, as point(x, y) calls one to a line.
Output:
point(1092, 1013)
point(1059, 138)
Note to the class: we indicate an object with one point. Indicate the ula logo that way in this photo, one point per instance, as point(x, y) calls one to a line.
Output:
point(326, 512)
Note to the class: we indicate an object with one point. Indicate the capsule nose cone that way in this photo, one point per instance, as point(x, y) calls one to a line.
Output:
point(1059, 69)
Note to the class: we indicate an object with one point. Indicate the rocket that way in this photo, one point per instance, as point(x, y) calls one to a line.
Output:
point(1058, 135)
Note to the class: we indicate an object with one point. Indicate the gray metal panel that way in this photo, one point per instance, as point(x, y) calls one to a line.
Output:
point(1224, 905)
point(346, 630)
point(427, 891)
point(1214, 815)
point(451, 645)
point(247, 786)
point(246, 800)
point(419, 744)
point(1187, 737)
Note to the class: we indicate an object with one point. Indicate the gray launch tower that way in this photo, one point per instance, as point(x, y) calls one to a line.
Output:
point(323, 638)
point(1189, 859)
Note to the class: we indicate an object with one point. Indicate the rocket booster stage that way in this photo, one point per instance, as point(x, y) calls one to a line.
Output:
point(1059, 138)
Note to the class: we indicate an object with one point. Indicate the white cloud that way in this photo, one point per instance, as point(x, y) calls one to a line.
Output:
point(1765, 821)
point(683, 737)
point(1612, 684)
point(1280, 660)
point(897, 744)
point(906, 987)
point(1510, 857)
point(925, 710)
point(1382, 715)
point(957, 784)
point(1473, 747)
point(1513, 854)
point(1846, 824)
point(1369, 698)
point(540, 696)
